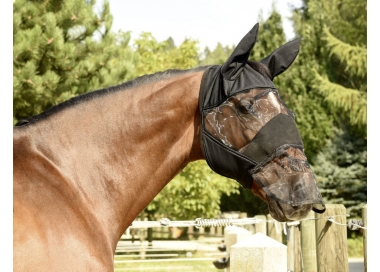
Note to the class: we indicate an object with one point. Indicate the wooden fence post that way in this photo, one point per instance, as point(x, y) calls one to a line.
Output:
point(258, 253)
point(219, 231)
point(262, 226)
point(232, 235)
point(128, 233)
point(364, 217)
point(201, 233)
point(308, 243)
point(165, 232)
point(290, 247)
point(297, 249)
point(212, 231)
point(274, 229)
point(331, 239)
point(190, 232)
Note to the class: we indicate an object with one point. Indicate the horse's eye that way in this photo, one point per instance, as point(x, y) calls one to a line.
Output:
point(245, 107)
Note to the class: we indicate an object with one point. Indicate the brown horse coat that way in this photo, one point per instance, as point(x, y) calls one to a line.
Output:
point(84, 173)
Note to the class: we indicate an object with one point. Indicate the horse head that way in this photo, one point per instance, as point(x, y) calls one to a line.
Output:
point(250, 135)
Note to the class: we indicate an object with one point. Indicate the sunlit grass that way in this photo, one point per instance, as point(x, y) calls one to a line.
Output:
point(197, 262)
point(355, 247)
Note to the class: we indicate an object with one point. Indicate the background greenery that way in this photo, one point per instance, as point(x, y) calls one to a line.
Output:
point(62, 49)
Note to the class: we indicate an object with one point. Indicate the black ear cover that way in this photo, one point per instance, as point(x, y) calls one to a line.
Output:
point(239, 57)
point(281, 58)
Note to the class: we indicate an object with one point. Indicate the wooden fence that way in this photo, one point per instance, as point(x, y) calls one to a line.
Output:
point(316, 244)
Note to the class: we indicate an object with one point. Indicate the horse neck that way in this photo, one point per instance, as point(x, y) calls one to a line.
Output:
point(118, 151)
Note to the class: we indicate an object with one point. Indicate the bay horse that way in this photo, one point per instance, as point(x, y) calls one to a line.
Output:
point(86, 168)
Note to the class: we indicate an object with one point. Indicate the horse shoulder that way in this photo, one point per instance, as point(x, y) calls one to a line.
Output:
point(50, 229)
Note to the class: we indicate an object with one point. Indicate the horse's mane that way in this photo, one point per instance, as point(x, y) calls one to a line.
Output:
point(145, 79)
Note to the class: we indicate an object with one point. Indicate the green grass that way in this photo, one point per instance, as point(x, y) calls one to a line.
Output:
point(355, 247)
point(168, 267)
point(162, 265)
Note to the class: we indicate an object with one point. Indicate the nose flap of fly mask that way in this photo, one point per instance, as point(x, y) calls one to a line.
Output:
point(283, 177)
point(279, 131)
point(286, 177)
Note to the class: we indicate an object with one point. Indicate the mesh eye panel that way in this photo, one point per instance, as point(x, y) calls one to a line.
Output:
point(238, 119)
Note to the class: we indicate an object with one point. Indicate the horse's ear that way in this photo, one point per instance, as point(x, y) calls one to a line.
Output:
point(236, 62)
point(282, 57)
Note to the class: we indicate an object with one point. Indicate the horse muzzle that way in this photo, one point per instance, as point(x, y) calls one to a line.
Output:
point(289, 185)
point(285, 212)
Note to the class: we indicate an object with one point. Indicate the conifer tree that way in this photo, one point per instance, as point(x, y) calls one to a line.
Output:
point(344, 83)
point(334, 35)
point(338, 32)
point(62, 49)
point(341, 169)
point(271, 35)
point(312, 118)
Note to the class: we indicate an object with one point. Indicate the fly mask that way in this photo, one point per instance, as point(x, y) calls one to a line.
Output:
point(236, 99)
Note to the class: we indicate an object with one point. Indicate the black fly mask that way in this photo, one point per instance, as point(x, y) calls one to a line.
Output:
point(248, 133)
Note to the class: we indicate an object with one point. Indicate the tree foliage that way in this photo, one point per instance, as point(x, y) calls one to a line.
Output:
point(154, 56)
point(218, 56)
point(62, 49)
point(354, 57)
point(341, 169)
point(271, 35)
point(338, 30)
point(351, 96)
point(351, 101)
point(195, 192)
point(335, 39)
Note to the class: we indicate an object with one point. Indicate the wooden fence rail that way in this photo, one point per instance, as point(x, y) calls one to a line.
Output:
point(317, 243)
